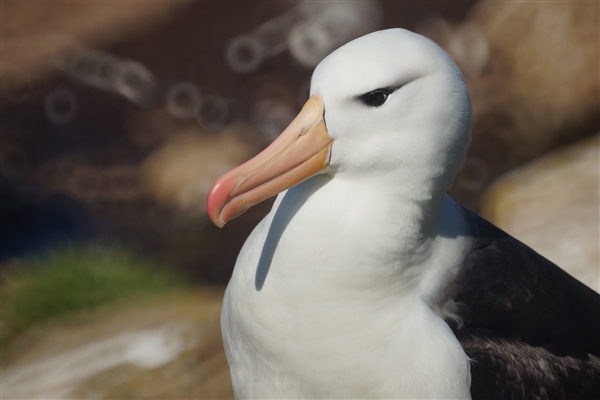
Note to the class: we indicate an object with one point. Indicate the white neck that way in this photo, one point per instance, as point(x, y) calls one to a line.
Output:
point(338, 259)
point(368, 234)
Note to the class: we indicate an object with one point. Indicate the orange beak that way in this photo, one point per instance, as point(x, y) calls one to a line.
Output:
point(301, 151)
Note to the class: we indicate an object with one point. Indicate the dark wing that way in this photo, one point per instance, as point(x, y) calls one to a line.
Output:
point(532, 330)
point(506, 368)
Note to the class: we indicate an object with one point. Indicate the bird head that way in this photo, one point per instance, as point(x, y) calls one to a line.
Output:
point(389, 106)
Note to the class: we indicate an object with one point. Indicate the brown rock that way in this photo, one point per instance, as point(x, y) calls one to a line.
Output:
point(532, 69)
point(169, 347)
point(552, 205)
point(34, 32)
point(182, 170)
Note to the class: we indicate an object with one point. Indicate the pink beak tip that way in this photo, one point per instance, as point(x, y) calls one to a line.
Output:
point(214, 202)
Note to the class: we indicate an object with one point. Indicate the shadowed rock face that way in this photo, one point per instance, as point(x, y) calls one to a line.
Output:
point(35, 32)
point(169, 347)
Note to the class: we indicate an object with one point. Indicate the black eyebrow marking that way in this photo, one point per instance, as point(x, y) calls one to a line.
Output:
point(386, 89)
point(389, 89)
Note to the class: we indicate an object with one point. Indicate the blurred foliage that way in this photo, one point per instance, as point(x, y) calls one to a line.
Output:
point(76, 278)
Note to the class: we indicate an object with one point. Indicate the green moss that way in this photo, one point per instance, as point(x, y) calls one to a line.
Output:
point(75, 278)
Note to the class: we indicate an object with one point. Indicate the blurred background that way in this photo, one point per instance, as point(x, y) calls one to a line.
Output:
point(117, 117)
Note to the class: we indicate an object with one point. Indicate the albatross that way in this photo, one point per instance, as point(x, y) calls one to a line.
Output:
point(366, 280)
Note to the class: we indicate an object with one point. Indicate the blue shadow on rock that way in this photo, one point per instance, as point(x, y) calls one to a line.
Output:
point(27, 226)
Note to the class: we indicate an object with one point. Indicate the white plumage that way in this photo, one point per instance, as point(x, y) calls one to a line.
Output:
point(339, 291)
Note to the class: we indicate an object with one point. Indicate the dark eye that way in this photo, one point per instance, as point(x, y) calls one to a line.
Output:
point(375, 98)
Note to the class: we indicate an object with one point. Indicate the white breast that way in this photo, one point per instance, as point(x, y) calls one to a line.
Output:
point(323, 302)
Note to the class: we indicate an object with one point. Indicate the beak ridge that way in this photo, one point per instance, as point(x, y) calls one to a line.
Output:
point(300, 152)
